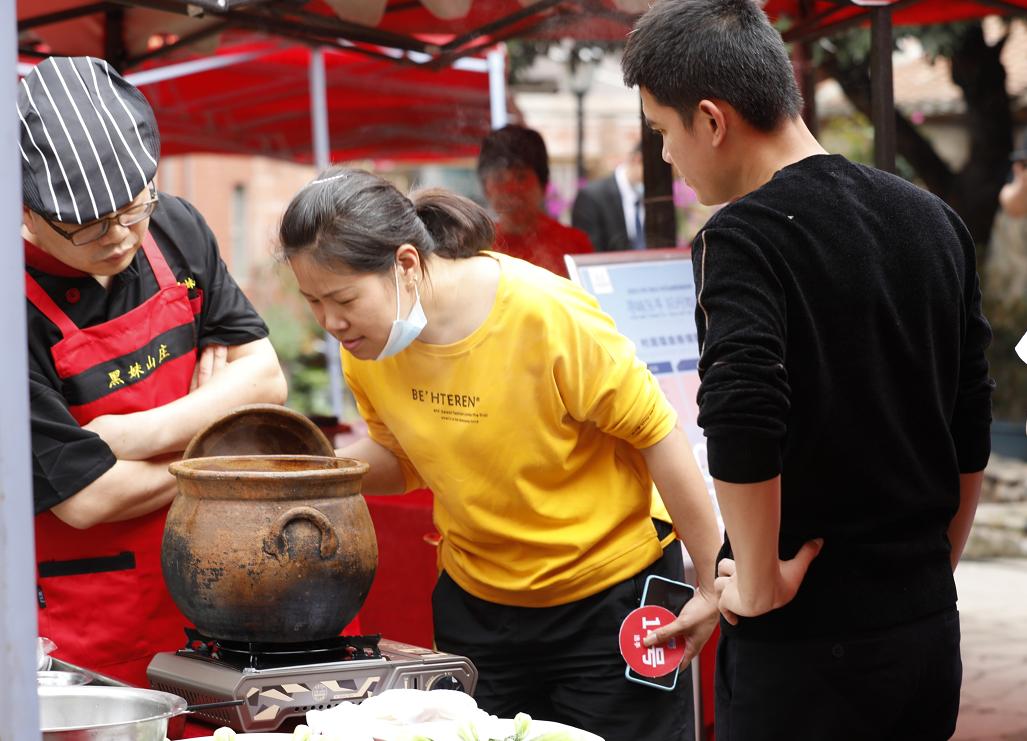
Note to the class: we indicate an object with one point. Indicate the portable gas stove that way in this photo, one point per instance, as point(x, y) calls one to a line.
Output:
point(282, 681)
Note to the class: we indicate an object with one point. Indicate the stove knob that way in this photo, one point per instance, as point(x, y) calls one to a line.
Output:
point(446, 682)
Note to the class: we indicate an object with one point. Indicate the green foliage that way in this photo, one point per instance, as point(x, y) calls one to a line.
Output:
point(852, 47)
point(522, 53)
point(943, 39)
point(298, 340)
point(849, 48)
point(852, 137)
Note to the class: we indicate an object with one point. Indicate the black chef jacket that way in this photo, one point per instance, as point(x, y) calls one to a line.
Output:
point(65, 457)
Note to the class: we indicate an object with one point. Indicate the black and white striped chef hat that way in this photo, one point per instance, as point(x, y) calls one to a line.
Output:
point(89, 141)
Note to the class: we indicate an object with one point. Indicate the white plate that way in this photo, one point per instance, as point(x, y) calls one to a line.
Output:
point(253, 737)
point(537, 727)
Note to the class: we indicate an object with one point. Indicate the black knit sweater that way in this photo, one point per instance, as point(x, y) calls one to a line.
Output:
point(843, 348)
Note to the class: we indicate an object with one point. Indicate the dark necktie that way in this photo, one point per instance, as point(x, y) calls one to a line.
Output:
point(638, 242)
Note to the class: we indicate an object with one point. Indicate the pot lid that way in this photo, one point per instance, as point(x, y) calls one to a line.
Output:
point(260, 429)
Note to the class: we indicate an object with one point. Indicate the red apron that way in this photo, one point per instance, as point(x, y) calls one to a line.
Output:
point(102, 598)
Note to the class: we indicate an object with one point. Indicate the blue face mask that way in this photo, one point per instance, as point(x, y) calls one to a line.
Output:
point(404, 331)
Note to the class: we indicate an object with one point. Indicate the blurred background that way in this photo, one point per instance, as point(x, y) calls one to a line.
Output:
point(412, 88)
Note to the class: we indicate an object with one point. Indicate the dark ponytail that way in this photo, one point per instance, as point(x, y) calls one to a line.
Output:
point(351, 219)
point(458, 225)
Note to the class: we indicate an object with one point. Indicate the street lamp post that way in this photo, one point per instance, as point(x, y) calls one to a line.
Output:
point(580, 151)
point(582, 68)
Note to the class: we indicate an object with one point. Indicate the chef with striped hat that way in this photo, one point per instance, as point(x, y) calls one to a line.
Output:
point(138, 337)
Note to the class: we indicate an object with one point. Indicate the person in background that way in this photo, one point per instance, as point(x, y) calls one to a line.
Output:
point(138, 338)
point(611, 211)
point(513, 167)
point(845, 394)
point(507, 391)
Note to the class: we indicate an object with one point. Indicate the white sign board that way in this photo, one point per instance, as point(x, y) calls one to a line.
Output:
point(651, 296)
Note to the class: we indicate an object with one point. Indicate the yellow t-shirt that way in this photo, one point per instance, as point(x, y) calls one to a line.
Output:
point(527, 432)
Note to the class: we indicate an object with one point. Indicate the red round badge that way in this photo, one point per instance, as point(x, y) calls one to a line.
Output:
point(649, 661)
point(72, 295)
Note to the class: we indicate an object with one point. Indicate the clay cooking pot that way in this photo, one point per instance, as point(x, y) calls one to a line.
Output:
point(269, 548)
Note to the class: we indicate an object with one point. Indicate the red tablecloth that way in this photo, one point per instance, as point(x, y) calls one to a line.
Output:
point(707, 662)
point(399, 604)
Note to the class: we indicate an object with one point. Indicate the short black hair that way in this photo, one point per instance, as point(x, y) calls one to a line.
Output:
point(514, 146)
point(685, 51)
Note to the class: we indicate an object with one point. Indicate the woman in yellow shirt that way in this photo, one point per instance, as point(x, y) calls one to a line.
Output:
point(506, 390)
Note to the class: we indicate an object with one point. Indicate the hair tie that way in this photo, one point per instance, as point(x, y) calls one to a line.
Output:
point(329, 179)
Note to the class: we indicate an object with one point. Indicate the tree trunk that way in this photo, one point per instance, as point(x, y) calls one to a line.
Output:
point(972, 191)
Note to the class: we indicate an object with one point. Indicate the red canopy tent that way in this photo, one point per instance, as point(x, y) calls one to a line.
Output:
point(375, 108)
point(436, 27)
point(252, 95)
point(121, 30)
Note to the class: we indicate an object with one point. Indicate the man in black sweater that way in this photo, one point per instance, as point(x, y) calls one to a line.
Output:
point(845, 394)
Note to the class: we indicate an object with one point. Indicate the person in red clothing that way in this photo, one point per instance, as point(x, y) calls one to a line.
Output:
point(513, 166)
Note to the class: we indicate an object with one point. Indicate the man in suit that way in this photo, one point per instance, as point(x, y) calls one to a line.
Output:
point(611, 211)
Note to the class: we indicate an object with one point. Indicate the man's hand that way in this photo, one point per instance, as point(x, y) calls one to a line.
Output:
point(213, 359)
point(694, 626)
point(790, 576)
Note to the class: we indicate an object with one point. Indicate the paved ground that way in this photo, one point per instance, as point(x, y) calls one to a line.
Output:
point(993, 617)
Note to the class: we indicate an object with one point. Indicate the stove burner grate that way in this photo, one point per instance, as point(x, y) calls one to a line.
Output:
point(250, 655)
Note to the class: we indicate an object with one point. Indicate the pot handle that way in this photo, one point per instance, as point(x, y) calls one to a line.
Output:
point(274, 541)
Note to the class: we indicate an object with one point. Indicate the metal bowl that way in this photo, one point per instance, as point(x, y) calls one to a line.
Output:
point(61, 679)
point(106, 713)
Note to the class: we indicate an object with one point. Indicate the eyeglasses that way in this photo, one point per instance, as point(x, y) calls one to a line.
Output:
point(129, 217)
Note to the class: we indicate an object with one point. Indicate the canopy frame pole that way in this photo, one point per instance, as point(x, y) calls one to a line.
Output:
point(658, 177)
point(174, 71)
point(802, 56)
point(319, 108)
point(193, 67)
point(535, 9)
point(882, 104)
point(812, 30)
point(114, 38)
point(313, 28)
point(183, 42)
point(19, 714)
point(811, 25)
point(1006, 6)
point(62, 15)
point(496, 61)
point(319, 134)
point(464, 52)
